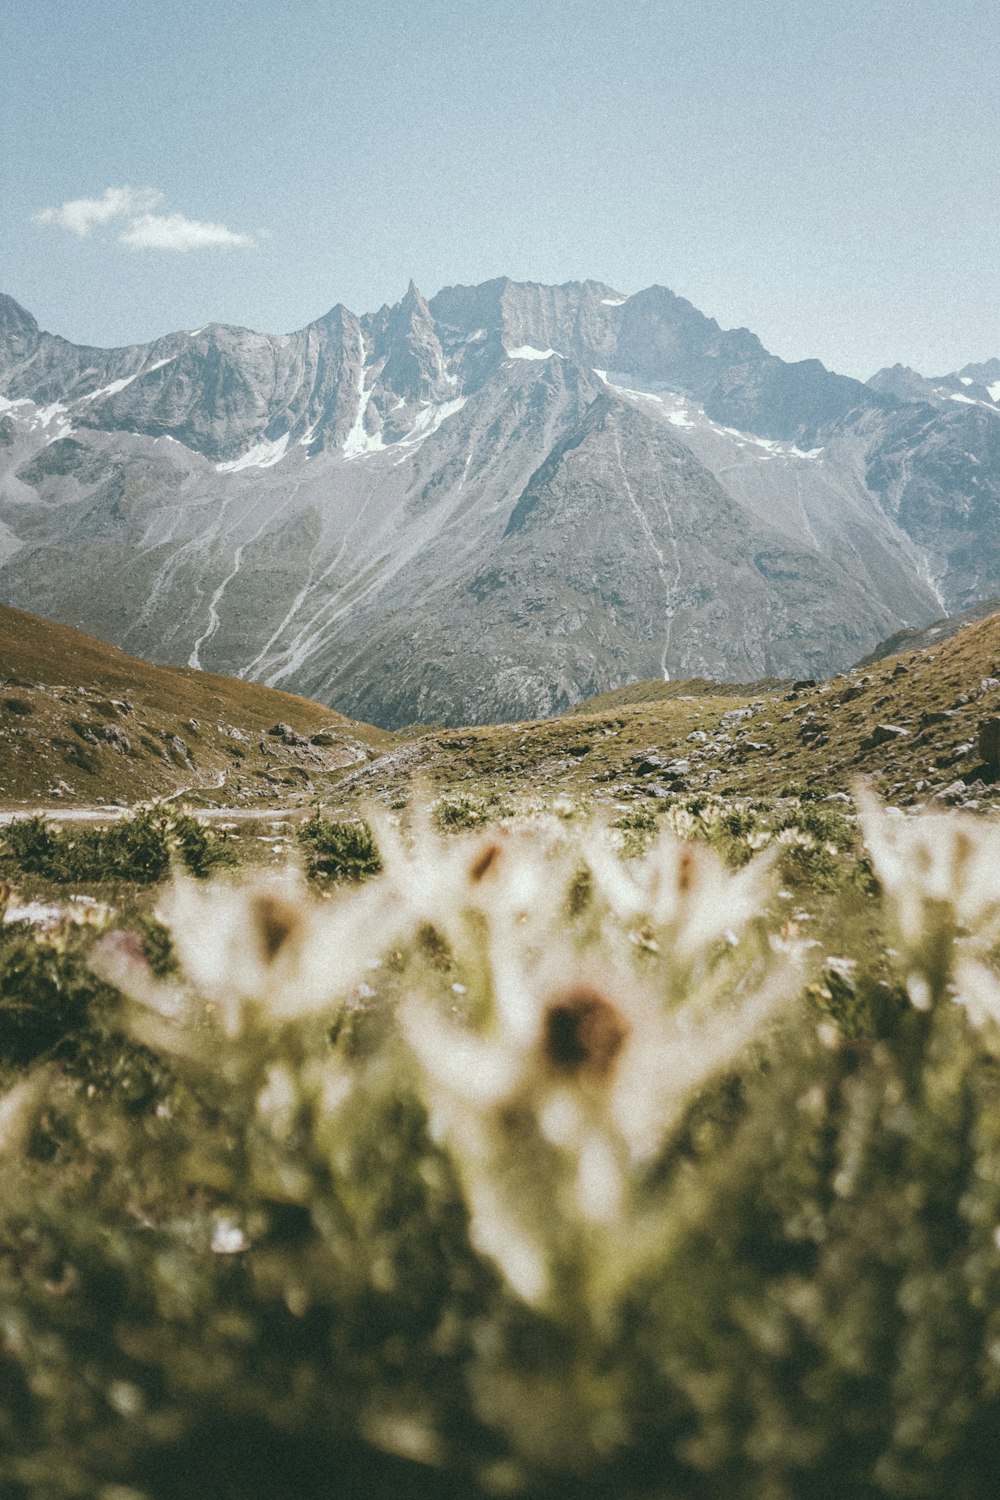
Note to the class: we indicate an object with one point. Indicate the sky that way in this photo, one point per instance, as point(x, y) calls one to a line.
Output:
point(822, 173)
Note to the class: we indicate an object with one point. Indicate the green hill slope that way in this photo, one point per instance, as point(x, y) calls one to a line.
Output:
point(81, 721)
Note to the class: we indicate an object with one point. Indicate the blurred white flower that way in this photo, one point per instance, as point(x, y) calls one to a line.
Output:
point(18, 1110)
point(266, 948)
point(978, 991)
point(683, 892)
point(584, 1064)
point(597, 997)
point(940, 877)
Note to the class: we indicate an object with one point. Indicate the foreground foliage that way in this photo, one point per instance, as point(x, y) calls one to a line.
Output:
point(138, 849)
point(518, 1166)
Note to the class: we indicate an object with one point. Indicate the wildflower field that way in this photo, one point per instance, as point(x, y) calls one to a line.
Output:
point(479, 1149)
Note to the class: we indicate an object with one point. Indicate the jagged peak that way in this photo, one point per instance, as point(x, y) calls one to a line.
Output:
point(414, 303)
point(896, 369)
point(986, 369)
point(337, 316)
point(13, 315)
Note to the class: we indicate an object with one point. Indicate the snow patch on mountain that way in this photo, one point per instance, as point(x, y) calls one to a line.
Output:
point(359, 441)
point(428, 420)
point(628, 390)
point(54, 420)
point(526, 351)
point(685, 413)
point(262, 455)
point(115, 386)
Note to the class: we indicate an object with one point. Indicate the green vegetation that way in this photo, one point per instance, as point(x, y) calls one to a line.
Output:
point(297, 1199)
point(137, 849)
point(47, 994)
point(340, 851)
point(454, 813)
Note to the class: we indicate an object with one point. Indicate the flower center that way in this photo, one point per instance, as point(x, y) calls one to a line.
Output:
point(276, 921)
point(584, 1034)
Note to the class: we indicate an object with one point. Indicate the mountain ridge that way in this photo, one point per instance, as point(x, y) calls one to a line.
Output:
point(319, 510)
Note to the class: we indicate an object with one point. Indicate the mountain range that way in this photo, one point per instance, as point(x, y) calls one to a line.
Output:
point(492, 504)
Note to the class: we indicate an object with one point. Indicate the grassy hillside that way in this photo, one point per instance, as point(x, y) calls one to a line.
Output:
point(655, 690)
point(919, 637)
point(909, 723)
point(83, 722)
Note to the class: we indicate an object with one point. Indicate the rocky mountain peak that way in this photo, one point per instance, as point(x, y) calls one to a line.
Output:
point(19, 332)
point(13, 315)
point(901, 382)
point(986, 372)
point(405, 343)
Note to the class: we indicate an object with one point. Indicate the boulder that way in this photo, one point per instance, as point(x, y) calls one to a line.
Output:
point(988, 739)
point(287, 734)
point(936, 716)
point(883, 734)
point(954, 794)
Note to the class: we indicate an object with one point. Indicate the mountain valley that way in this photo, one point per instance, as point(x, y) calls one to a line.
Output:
point(84, 726)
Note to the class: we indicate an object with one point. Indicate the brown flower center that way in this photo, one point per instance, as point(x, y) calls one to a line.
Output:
point(276, 921)
point(686, 870)
point(484, 861)
point(584, 1034)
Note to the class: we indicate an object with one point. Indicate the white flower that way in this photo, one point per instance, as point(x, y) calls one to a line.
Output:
point(978, 991)
point(948, 859)
point(18, 1107)
point(266, 947)
point(684, 892)
point(939, 875)
point(584, 1065)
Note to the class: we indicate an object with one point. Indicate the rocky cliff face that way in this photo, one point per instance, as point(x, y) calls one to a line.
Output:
point(490, 504)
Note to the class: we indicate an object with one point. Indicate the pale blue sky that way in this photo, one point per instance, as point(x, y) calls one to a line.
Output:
point(825, 174)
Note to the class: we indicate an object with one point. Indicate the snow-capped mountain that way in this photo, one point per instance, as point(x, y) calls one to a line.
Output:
point(489, 504)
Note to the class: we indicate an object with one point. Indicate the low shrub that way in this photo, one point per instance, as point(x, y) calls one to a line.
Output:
point(138, 848)
point(460, 812)
point(46, 992)
point(339, 851)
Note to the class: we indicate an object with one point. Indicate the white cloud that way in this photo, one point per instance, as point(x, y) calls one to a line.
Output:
point(81, 214)
point(144, 230)
point(175, 232)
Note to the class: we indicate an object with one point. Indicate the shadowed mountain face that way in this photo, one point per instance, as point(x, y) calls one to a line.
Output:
point(491, 504)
